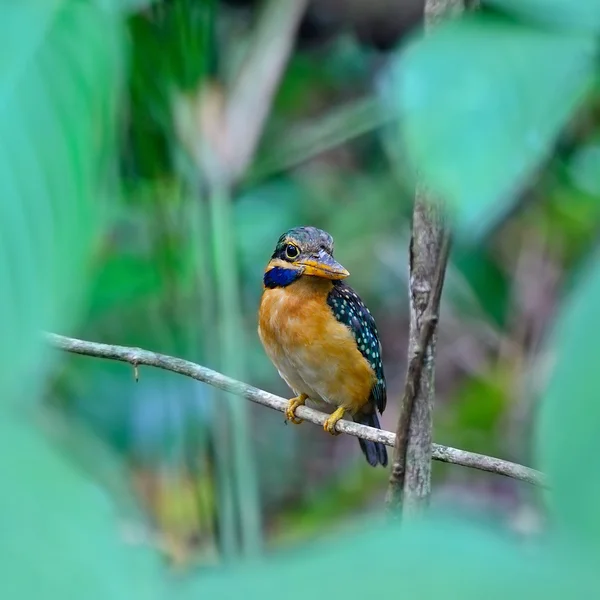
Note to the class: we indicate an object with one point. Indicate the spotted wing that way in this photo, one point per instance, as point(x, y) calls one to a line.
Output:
point(350, 310)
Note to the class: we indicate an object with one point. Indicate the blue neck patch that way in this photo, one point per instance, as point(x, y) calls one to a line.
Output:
point(280, 277)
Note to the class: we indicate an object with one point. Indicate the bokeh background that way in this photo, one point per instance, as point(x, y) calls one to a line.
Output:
point(129, 97)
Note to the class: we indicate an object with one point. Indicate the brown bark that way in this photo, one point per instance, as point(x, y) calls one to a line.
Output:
point(426, 275)
point(410, 478)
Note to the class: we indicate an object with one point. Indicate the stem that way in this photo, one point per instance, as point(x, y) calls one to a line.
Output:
point(232, 360)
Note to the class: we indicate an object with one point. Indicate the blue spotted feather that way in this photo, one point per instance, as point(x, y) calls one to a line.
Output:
point(350, 310)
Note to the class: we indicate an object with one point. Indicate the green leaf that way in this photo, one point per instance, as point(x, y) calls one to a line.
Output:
point(59, 532)
point(481, 103)
point(583, 15)
point(433, 559)
point(567, 437)
point(478, 288)
point(60, 76)
point(585, 169)
point(60, 70)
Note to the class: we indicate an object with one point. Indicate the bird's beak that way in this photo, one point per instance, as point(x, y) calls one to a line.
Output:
point(323, 265)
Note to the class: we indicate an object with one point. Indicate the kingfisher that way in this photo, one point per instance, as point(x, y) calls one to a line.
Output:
point(320, 336)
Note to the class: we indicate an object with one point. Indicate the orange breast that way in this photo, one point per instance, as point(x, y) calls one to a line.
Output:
point(313, 352)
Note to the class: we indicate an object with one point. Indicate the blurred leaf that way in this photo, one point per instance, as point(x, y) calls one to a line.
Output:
point(124, 280)
point(125, 6)
point(169, 53)
point(480, 107)
point(60, 78)
point(308, 79)
point(487, 288)
point(60, 73)
point(388, 561)
point(59, 533)
point(302, 82)
point(91, 454)
point(583, 15)
point(480, 402)
point(585, 169)
point(570, 415)
point(308, 140)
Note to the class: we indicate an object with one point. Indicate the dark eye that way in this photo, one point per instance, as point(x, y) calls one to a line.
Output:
point(291, 251)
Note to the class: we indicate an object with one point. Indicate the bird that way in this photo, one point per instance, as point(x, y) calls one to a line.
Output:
point(320, 336)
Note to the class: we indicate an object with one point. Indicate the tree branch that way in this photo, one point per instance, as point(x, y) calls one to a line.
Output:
point(137, 357)
point(423, 324)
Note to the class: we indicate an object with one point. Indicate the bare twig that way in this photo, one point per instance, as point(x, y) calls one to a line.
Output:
point(137, 356)
point(423, 324)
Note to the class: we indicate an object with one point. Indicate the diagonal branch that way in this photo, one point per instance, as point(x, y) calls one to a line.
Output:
point(137, 357)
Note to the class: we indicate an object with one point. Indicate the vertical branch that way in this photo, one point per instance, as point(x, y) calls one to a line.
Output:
point(428, 258)
point(410, 478)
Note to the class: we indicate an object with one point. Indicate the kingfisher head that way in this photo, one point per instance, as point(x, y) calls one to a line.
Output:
point(302, 252)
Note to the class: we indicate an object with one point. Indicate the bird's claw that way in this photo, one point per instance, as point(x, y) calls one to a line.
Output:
point(331, 421)
point(289, 415)
point(293, 404)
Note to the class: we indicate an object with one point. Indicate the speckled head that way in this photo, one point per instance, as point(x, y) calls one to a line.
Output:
point(303, 251)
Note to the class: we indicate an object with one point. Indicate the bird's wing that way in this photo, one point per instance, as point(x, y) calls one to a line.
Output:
point(350, 310)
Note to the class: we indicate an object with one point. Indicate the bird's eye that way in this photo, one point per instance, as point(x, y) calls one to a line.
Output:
point(291, 251)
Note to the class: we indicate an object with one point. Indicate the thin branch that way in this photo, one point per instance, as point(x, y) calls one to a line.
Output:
point(137, 357)
point(412, 386)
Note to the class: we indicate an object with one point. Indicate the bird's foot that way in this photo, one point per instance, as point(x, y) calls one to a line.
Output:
point(293, 404)
point(329, 424)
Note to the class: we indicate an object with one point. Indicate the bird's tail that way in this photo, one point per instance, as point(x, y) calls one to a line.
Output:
point(374, 452)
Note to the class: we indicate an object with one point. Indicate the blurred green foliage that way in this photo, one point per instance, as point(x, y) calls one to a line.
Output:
point(570, 417)
point(499, 107)
point(57, 123)
point(109, 229)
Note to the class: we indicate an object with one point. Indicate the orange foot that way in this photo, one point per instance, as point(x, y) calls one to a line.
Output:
point(293, 404)
point(329, 424)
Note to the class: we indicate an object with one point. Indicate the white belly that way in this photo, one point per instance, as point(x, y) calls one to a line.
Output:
point(300, 378)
